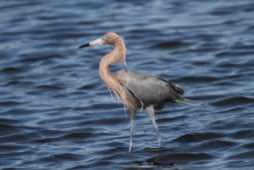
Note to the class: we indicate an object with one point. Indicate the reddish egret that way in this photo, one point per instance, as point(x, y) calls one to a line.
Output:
point(136, 91)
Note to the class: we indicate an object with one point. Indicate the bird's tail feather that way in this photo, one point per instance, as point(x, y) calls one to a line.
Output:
point(184, 100)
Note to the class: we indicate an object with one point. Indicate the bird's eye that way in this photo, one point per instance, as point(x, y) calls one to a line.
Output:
point(103, 38)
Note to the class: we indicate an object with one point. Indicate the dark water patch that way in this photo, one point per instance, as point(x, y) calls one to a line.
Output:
point(19, 4)
point(39, 33)
point(222, 11)
point(227, 83)
point(9, 103)
point(243, 155)
point(8, 34)
point(87, 23)
point(232, 22)
point(101, 164)
point(34, 57)
point(45, 17)
point(63, 120)
point(197, 79)
point(167, 60)
point(239, 164)
point(249, 146)
point(67, 66)
point(80, 167)
point(88, 87)
point(12, 168)
point(160, 150)
point(215, 144)
point(171, 119)
point(236, 100)
point(206, 97)
point(243, 46)
point(171, 44)
point(46, 136)
point(7, 148)
point(65, 35)
point(52, 87)
point(243, 134)
point(139, 167)
point(115, 154)
point(230, 124)
point(19, 111)
point(47, 140)
point(20, 137)
point(116, 146)
point(56, 29)
point(62, 157)
point(204, 49)
point(232, 109)
point(13, 70)
point(78, 135)
point(200, 63)
point(21, 83)
point(8, 121)
point(199, 137)
point(234, 53)
point(6, 129)
point(72, 35)
point(210, 39)
point(250, 29)
point(51, 45)
point(226, 10)
point(108, 121)
point(137, 33)
point(235, 64)
point(50, 132)
point(173, 158)
point(104, 106)
point(197, 26)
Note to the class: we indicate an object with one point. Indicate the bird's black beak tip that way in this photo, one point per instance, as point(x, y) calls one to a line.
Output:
point(84, 45)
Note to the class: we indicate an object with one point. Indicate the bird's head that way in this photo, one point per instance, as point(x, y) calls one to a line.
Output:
point(113, 39)
point(109, 38)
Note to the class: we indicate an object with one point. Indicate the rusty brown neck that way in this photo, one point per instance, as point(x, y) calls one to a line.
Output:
point(117, 55)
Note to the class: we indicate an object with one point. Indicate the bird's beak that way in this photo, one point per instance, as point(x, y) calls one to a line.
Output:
point(84, 45)
point(96, 42)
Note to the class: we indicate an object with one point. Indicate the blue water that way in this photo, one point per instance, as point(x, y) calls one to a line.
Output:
point(55, 112)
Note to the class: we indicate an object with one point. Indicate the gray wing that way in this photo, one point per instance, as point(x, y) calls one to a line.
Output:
point(149, 90)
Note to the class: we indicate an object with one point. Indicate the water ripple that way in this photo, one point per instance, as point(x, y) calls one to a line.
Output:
point(237, 100)
point(55, 112)
point(172, 158)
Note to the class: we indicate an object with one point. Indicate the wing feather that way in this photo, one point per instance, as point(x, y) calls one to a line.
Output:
point(149, 90)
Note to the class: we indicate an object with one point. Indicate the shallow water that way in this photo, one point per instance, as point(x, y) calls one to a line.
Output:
point(57, 114)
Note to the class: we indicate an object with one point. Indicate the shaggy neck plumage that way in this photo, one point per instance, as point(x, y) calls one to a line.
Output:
point(117, 55)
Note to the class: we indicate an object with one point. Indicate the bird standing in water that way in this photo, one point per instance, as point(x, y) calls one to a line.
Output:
point(136, 91)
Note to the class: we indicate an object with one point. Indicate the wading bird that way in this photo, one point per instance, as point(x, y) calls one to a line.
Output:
point(135, 90)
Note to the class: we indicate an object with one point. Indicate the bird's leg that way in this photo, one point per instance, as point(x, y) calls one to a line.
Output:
point(132, 123)
point(151, 112)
